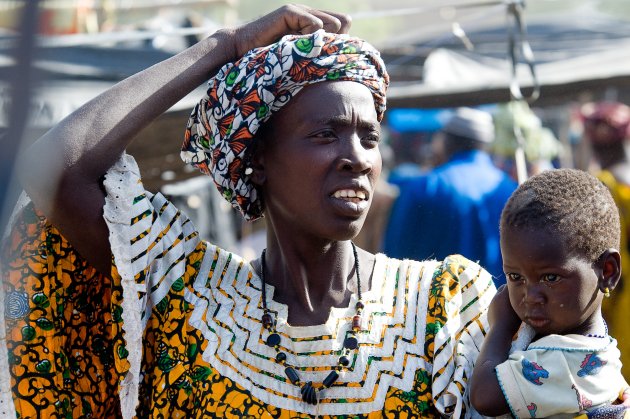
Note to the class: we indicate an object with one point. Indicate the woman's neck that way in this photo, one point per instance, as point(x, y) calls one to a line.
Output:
point(309, 279)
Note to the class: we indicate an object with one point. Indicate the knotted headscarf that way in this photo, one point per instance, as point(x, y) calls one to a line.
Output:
point(221, 129)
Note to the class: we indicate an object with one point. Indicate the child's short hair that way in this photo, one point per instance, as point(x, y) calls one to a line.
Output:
point(568, 202)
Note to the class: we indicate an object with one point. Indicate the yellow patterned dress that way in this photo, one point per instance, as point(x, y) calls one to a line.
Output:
point(177, 331)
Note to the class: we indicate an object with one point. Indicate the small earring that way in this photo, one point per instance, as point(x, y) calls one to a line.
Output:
point(249, 171)
point(606, 292)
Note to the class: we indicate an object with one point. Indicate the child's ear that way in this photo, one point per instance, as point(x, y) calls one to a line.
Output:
point(610, 264)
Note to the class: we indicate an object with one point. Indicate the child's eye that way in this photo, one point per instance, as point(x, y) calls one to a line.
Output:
point(513, 277)
point(551, 278)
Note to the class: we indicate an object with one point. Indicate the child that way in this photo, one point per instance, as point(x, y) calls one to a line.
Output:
point(559, 239)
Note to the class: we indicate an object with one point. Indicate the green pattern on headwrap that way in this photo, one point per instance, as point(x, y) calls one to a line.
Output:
point(231, 78)
point(262, 111)
point(304, 45)
point(333, 75)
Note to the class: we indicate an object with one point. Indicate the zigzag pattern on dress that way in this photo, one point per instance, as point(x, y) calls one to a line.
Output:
point(389, 354)
point(150, 238)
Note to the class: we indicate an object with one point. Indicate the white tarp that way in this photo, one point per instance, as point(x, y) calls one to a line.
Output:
point(55, 100)
point(451, 72)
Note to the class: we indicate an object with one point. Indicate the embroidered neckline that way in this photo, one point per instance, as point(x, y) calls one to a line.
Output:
point(309, 391)
point(236, 337)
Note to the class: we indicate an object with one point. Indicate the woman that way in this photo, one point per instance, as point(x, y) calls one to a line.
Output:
point(314, 326)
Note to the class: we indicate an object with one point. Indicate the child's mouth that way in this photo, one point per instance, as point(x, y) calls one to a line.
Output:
point(537, 322)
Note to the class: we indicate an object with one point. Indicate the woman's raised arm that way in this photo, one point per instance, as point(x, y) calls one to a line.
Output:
point(63, 171)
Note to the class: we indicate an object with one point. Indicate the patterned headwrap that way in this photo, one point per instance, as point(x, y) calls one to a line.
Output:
point(244, 94)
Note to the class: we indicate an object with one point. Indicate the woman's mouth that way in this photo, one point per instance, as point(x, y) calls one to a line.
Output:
point(351, 195)
point(351, 202)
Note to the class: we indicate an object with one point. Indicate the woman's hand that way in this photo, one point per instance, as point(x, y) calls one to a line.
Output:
point(501, 314)
point(289, 19)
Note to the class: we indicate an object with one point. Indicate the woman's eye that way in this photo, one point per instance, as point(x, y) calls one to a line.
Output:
point(325, 134)
point(551, 278)
point(372, 140)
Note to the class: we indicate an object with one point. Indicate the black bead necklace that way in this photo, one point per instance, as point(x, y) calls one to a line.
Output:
point(309, 393)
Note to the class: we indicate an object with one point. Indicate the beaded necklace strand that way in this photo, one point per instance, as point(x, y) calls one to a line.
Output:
point(309, 393)
point(605, 335)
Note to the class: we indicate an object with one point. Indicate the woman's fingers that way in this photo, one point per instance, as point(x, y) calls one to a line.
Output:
point(289, 19)
point(306, 22)
point(332, 21)
point(309, 20)
point(345, 21)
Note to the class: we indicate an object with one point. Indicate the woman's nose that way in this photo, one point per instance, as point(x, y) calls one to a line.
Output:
point(356, 157)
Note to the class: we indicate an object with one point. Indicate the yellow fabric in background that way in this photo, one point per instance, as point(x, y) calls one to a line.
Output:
point(616, 307)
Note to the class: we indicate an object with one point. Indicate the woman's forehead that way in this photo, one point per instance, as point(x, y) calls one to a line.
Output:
point(333, 103)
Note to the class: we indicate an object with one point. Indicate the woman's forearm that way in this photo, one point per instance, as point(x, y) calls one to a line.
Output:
point(86, 143)
point(63, 170)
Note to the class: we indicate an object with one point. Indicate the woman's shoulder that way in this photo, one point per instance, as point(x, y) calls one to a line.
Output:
point(457, 265)
point(453, 275)
point(453, 265)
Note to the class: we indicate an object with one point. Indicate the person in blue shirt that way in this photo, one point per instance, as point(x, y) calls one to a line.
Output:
point(456, 207)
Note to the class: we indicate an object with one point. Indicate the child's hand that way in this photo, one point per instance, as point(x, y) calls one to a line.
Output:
point(501, 314)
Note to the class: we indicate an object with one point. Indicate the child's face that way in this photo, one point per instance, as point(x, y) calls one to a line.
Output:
point(552, 291)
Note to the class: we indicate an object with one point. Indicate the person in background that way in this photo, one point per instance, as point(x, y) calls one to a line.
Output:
point(456, 206)
point(540, 145)
point(559, 239)
point(606, 127)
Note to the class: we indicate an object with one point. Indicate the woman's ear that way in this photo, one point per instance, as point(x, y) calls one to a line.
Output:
point(609, 263)
point(257, 164)
point(261, 145)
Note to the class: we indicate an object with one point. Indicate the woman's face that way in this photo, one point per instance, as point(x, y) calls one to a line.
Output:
point(550, 289)
point(321, 161)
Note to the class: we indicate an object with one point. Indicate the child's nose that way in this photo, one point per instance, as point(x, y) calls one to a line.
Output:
point(534, 294)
